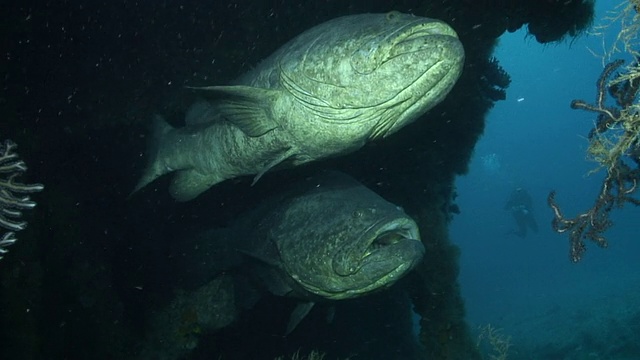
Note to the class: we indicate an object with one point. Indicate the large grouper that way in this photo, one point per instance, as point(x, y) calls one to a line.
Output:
point(327, 238)
point(325, 93)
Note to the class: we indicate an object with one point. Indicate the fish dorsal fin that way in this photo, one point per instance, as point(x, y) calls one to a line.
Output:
point(299, 313)
point(247, 107)
point(200, 112)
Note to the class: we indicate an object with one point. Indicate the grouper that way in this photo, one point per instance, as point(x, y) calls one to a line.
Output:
point(329, 238)
point(325, 93)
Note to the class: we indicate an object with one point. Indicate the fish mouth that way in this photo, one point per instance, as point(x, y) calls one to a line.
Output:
point(390, 234)
point(393, 252)
point(421, 35)
point(386, 251)
point(421, 60)
point(429, 35)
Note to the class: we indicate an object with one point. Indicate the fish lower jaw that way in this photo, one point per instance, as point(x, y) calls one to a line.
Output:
point(392, 234)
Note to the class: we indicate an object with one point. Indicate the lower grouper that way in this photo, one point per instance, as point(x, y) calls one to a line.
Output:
point(329, 238)
point(325, 93)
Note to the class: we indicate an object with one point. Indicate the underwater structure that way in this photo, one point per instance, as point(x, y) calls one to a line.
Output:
point(82, 82)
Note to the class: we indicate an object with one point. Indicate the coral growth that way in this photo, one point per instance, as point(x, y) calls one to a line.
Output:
point(12, 204)
point(571, 18)
point(494, 80)
point(614, 143)
point(314, 355)
point(496, 342)
point(627, 17)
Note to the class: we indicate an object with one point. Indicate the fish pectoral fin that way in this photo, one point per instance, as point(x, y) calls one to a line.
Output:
point(299, 313)
point(247, 107)
point(277, 160)
point(253, 121)
point(200, 112)
point(188, 184)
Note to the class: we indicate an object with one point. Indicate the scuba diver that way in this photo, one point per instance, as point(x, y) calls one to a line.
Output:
point(520, 205)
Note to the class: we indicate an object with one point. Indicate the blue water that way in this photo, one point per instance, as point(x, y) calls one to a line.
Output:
point(528, 287)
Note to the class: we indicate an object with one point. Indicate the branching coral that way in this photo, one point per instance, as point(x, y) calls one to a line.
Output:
point(313, 355)
point(12, 204)
point(498, 343)
point(614, 143)
point(627, 17)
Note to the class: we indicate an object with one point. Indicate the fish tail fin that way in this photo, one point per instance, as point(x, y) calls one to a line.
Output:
point(154, 168)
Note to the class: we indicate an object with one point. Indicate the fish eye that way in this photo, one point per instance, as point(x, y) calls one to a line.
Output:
point(392, 15)
point(362, 212)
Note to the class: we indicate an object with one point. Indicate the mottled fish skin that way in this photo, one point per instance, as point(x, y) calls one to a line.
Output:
point(325, 93)
point(329, 238)
point(326, 238)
